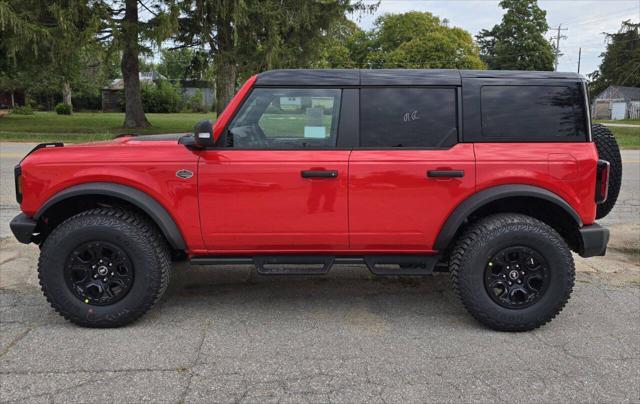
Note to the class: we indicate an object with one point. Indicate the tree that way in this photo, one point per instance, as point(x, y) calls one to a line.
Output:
point(620, 61)
point(518, 42)
point(121, 27)
point(421, 40)
point(343, 46)
point(243, 37)
point(178, 64)
point(52, 35)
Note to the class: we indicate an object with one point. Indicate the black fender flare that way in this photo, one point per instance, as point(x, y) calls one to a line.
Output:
point(140, 199)
point(457, 218)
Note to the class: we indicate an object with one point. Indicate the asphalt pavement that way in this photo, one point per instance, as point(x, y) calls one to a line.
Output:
point(225, 334)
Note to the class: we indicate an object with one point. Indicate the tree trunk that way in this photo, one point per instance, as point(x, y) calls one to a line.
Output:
point(225, 84)
point(134, 113)
point(226, 68)
point(13, 99)
point(66, 93)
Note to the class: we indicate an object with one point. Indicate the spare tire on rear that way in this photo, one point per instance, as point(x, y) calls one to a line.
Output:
point(608, 150)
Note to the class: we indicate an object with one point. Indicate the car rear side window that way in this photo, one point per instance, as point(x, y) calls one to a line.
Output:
point(408, 117)
point(533, 113)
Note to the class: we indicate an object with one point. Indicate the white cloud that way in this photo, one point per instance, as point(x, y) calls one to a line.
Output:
point(585, 19)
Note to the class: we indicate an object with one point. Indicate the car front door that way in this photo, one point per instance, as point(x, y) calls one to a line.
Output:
point(278, 182)
point(409, 171)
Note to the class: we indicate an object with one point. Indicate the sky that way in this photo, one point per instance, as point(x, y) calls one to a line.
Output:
point(586, 20)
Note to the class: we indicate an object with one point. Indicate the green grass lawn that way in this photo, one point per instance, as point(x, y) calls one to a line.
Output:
point(628, 138)
point(86, 126)
point(625, 121)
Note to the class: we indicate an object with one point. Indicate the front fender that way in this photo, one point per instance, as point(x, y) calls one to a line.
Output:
point(146, 203)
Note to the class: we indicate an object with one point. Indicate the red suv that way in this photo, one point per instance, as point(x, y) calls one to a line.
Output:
point(494, 176)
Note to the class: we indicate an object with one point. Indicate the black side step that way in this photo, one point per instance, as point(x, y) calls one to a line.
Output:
point(384, 265)
point(413, 265)
point(294, 264)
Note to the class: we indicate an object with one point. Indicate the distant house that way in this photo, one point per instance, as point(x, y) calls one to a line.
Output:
point(617, 102)
point(8, 99)
point(189, 88)
point(113, 94)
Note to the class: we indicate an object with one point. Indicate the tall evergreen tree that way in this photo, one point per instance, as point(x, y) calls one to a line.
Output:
point(123, 28)
point(242, 37)
point(621, 60)
point(518, 42)
point(49, 36)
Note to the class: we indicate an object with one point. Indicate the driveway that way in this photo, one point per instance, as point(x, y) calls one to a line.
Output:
point(226, 334)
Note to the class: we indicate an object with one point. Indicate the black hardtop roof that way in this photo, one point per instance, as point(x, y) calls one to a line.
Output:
point(400, 77)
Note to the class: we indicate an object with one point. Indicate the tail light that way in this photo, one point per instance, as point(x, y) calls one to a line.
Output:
point(17, 175)
point(602, 181)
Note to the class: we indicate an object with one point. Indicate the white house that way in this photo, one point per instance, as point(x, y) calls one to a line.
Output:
point(617, 102)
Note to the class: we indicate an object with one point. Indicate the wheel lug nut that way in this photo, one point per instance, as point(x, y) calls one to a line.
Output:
point(110, 264)
point(93, 266)
point(504, 276)
point(112, 274)
point(519, 281)
point(510, 283)
point(521, 272)
point(95, 276)
point(104, 280)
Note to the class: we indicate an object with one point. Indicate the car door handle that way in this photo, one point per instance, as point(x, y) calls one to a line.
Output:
point(445, 173)
point(319, 174)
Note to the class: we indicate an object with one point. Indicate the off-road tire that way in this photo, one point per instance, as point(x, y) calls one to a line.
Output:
point(132, 233)
point(488, 236)
point(608, 150)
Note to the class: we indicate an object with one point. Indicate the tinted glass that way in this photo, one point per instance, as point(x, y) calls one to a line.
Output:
point(408, 117)
point(532, 113)
point(286, 118)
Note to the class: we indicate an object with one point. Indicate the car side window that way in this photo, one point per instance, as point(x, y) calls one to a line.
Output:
point(532, 113)
point(278, 118)
point(408, 117)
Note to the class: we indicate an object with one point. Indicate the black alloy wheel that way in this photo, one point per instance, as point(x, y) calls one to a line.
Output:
point(512, 272)
point(516, 277)
point(99, 273)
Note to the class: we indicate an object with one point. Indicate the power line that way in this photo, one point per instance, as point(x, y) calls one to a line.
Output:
point(630, 74)
point(558, 37)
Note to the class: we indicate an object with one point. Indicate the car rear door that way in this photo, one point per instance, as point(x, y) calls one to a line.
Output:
point(409, 171)
point(279, 182)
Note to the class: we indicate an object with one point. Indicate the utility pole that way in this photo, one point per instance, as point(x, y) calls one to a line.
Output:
point(558, 38)
point(579, 58)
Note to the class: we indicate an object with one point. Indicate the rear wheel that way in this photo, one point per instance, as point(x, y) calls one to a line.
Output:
point(104, 267)
point(512, 272)
point(608, 150)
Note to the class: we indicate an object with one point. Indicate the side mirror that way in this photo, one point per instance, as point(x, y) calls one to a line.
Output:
point(203, 134)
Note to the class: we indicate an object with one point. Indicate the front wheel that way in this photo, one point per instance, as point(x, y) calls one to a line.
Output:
point(512, 272)
point(104, 267)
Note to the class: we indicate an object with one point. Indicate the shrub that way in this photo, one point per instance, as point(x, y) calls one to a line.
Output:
point(162, 97)
point(91, 101)
point(195, 103)
point(25, 110)
point(63, 109)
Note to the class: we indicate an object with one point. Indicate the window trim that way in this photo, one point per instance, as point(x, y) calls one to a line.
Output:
point(222, 140)
point(458, 112)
